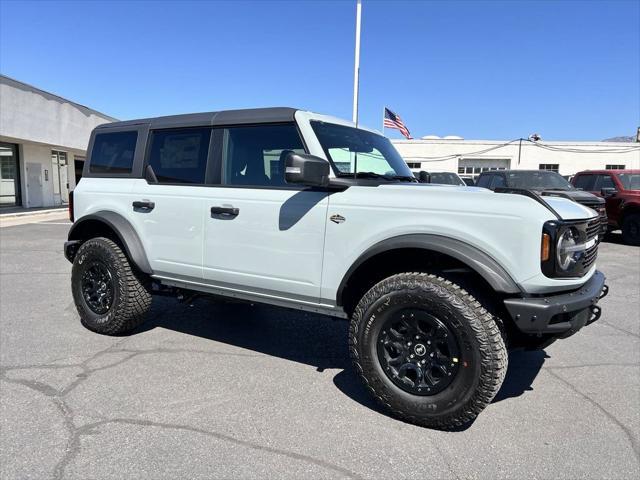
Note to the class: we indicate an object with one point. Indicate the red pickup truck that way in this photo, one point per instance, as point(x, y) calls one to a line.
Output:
point(621, 191)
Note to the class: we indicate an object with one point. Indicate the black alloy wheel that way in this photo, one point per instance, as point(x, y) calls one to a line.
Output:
point(418, 352)
point(98, 287)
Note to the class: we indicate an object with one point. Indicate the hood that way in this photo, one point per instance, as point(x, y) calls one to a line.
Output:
point(474, 201)
point(579, 196)
point(569, 209)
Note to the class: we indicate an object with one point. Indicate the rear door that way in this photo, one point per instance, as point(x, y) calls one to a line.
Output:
point(263, 236)
point(168, 213)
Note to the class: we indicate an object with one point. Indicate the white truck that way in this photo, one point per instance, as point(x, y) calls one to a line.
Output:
point(306, 211)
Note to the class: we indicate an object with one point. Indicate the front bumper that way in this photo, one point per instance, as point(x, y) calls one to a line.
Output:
point(561, 315)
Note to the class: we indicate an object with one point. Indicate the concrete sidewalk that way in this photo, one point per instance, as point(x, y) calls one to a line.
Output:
point(19, 216)
point(21, 211)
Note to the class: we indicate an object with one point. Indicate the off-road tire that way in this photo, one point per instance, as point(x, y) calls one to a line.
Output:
point(631, 229)
point(131, 292)
point(483, 351)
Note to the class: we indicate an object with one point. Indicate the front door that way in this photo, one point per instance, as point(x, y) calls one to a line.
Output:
point(263, 236)
point(9, 175)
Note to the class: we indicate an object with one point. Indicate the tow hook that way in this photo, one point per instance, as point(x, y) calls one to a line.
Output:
point(595, 313)
point(604, 292)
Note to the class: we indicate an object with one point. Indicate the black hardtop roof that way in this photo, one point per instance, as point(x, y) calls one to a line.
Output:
point(225, 117)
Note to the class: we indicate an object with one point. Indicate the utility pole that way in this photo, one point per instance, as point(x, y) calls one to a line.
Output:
point(356, 72)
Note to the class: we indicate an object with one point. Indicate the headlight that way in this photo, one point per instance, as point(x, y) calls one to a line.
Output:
point(563, 249)
point(569, 250)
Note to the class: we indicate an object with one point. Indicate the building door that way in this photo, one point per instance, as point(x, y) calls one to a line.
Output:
point(34, 184)
point(9, 176)
point(59, 177)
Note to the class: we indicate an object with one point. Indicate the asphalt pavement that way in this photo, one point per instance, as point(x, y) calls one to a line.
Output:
point(215, 389)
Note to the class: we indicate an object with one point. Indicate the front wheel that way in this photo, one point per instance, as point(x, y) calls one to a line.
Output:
point(427, 350)
point(111, 297)
point(631, 229)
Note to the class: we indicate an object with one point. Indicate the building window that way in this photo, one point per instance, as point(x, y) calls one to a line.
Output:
point(552, 167)
point(614, 167)
point(9, 175)
point(414, 164)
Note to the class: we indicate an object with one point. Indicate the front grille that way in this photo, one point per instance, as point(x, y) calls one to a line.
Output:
point(589, 257)
point(593, 229)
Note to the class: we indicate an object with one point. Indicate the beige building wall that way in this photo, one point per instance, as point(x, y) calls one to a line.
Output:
point(41, 123)
point(571, 157)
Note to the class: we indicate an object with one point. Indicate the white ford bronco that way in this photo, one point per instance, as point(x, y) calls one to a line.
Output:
point(300, 210)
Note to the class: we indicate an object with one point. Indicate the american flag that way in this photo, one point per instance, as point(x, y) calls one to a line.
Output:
point(392, 120)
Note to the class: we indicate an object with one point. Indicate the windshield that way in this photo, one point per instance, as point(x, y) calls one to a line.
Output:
point(631, 181)
point(540, 180)
point(355, 152)
point(446, 178)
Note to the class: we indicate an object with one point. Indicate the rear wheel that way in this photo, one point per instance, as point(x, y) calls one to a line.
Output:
point(427, 350)
point(111, 297)
point(631, 229)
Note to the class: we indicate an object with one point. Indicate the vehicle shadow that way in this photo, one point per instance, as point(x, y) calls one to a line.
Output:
point(307, 338)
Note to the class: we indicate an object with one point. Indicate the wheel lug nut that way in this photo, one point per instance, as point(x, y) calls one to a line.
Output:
point(423, 362)
point(412, 355)
point(431, 354)
point(408, 344)
point(428, 342)
point(417, 337)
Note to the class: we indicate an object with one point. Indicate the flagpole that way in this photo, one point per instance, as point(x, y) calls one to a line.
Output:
point(356, 73)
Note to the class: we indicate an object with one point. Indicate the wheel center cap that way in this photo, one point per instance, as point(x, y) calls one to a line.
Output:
point(420, 349)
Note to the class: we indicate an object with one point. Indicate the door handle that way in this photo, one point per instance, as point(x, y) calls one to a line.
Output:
point(143, 206)
point(224, 212)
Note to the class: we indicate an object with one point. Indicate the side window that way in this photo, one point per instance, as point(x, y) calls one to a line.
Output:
point(498, 181)
point(604, 181)
point(585, 182)
point(180, 155)
point(484, 181)
point(113, 152)
point(256, 155)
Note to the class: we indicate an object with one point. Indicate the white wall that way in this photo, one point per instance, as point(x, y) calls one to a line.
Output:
point(37, 116)
point(39, 122)
point(531, 156)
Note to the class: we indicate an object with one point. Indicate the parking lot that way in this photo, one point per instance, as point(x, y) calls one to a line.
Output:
point(214, 389)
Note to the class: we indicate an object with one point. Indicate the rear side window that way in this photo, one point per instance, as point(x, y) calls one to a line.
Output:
point(180, 155)
point(584, 182)
point(113, 152)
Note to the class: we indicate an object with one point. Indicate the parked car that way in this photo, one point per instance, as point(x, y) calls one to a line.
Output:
point(621, 191)
point(546, 183)
point(306, 211)
point(441, 178)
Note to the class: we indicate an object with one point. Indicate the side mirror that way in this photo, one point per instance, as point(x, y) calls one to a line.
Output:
point(608, 192)
point(306, 170)
point(424, 177)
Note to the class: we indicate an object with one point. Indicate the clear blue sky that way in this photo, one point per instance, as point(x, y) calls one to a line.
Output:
point(569, 70)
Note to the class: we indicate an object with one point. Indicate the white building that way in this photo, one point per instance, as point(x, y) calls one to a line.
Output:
point(470, 157)
point(43, 141)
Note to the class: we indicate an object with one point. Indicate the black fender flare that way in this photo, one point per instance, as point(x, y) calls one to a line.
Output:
point(123, 229)
point(483, 264)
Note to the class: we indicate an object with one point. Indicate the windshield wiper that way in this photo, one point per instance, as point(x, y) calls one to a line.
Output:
point(386, 177)
point(405, 177)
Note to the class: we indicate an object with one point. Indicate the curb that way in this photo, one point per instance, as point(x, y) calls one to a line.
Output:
point(32, 213)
